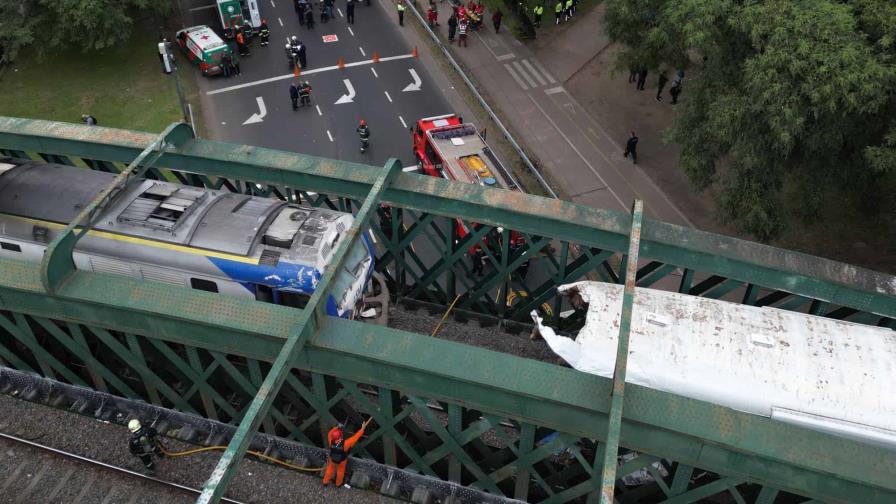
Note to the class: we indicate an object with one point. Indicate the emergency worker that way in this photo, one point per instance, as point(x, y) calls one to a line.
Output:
point(305, 93)
point(144, 444)
point(241, 44)
point(339, 449)
point(264, 33)
point(363, 135)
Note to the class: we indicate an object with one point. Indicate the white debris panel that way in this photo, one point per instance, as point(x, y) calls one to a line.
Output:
point(821, 373)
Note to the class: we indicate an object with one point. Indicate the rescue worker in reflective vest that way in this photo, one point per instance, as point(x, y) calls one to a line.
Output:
point(538, 11)
point(339, 449)
point(558, 11)
point(143, 444)
point(568, 10)
point(305, 93)
point(264, 32)
point(241, 44)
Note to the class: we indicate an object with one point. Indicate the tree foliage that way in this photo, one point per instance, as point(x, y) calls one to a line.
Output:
point(53, 24)
point(798, 90)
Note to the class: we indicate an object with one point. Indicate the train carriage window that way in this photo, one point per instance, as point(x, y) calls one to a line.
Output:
point(12, 247)
point(203, 285)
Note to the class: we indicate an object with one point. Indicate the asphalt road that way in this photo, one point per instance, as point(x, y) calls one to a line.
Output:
point(326, 129)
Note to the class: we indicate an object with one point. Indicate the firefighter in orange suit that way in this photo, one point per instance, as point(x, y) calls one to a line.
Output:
point(337, 457)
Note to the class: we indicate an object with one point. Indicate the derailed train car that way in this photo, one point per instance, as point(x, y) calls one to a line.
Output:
point(206, 239)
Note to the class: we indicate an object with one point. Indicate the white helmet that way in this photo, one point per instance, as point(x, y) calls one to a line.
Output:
point(294, 39)
point(134, 425)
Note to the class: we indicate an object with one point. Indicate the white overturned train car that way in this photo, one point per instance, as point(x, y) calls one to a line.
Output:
point(824, 374)
point(209, 240)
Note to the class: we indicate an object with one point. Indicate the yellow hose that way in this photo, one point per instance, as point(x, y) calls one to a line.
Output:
point(255, 453)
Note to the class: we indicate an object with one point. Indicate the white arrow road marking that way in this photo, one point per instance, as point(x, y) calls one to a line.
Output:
point(414, 86)
point(258, 117)
point(347, 98)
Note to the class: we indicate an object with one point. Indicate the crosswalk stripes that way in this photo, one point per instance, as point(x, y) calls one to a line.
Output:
point(529, 74)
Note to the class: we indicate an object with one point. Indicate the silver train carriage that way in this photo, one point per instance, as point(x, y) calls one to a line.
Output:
point(206, 239)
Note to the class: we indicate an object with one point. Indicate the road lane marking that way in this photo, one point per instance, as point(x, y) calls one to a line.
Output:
point(350, 30)
point(281, 21)
point(305, 72)
point(339, 11)
point(538, 77)
point(273, 4)
point(519, 68)
point(516, 77)
point(553, 90)
point(547, 74)
point(388, 97)
point(318, 110)
point(258, 116)
point(507, 56)
point(414, 86)
point(348, 97)
point(362, 51)
point(330, 135)
point(374, 72)
point(403, 124)
point(593, 170)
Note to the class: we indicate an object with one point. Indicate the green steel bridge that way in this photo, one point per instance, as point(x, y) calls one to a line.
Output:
point(295, 373)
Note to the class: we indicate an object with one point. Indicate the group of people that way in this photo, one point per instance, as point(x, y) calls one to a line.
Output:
point(300, 92)
point(468, 17)
point(305, 11)
point(639, 77)
point(145, 445)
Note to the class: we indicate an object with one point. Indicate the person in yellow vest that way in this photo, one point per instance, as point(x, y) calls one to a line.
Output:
point(558, 11)
point(400, 6)
point(538, 11)
point(568, 10)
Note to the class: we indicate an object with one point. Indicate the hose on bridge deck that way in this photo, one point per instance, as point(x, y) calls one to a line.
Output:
point(250, 452)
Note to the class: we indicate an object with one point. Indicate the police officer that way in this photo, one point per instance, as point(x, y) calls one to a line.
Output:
point(264, 32)
point(558, 11)
point(143, 444)
point(538, 11)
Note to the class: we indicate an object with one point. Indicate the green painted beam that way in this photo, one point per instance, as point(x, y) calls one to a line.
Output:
point(57, 263)
point(614, 424)
point(692, 432)
point(741, 260)
point(312, 319)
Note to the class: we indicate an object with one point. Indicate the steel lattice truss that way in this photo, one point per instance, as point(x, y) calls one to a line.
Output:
point(507, 425)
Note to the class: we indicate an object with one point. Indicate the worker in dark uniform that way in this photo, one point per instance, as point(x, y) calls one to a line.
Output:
point(305, 93)
point(264, 33)
point(294, 95)
point(478, 259)
point(364, 135)
point(144, 444)
point(339, 448)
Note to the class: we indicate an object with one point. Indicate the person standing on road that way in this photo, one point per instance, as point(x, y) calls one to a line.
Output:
point(631, 147)
point(144, 444)
point(642, 79)
point(675, 91)
point(432, 17)
point(235, 65)
point(400, 6)
point(462, 33)
point(309, 16)
point(294, 96)
point(264, 33)
point(241, 44)
point(558, 11)
point(496, 19)
point(538, 11)
point(227, 64)
point(300, 10)
point(661, 84)
point(350, 11)
point(452, 27)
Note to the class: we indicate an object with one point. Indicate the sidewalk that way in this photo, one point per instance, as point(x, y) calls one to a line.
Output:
point(580, 148)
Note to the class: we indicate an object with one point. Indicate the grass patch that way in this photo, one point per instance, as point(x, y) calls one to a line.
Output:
point(123, 87)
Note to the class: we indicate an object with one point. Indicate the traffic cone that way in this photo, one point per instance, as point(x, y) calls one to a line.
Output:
point(415, 53)
point(341, 63)
point(296, 71)
point(376, 57)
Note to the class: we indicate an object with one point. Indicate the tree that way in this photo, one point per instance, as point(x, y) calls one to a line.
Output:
point(796, 90)
point(52, 24)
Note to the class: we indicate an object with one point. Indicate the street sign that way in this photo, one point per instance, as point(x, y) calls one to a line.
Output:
point(330, 38)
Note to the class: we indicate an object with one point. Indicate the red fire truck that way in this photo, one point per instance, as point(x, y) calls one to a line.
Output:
point(447, 147)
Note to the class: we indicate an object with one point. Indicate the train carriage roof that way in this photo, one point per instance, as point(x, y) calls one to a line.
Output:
point(26, 191)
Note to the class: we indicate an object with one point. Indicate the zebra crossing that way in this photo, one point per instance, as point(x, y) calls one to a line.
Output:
point(529, 74)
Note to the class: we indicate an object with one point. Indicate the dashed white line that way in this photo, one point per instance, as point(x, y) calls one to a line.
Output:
point(281, 21)
point(318, 110)
point(350, 30)
point(330, 135)
point(362, 51)
point(273, 4)
point(339, 11)
point(374, 72)
point(388, 97)
point(403, 124)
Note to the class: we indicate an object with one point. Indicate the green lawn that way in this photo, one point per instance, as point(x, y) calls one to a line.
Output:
point(122, 87)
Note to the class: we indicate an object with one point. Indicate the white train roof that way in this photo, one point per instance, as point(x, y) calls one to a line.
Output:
point(821, 373)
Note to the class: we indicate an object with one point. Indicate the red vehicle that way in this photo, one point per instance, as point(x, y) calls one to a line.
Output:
point(447, 147)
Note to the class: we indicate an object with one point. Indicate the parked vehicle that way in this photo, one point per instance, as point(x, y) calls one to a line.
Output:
point(204, 48)
point(239, 14)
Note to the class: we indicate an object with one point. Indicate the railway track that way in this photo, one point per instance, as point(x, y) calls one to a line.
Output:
point(32, 472)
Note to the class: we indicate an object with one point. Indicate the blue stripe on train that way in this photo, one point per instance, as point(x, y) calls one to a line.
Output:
point(283, 276)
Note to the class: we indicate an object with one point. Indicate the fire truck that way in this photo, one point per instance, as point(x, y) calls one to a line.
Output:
point(447, 147)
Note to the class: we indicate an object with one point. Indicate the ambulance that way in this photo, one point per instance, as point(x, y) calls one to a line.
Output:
point(234, 14)
point(204, 48)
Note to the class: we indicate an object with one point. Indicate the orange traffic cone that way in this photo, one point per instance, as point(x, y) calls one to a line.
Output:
point(296, 71)
point(341, 63)
point(415, 53)
point(376, 57)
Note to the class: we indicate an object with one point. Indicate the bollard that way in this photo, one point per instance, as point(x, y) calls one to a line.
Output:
point(341, 63)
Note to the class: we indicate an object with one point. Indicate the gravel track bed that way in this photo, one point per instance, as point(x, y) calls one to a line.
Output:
point(100, 440)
